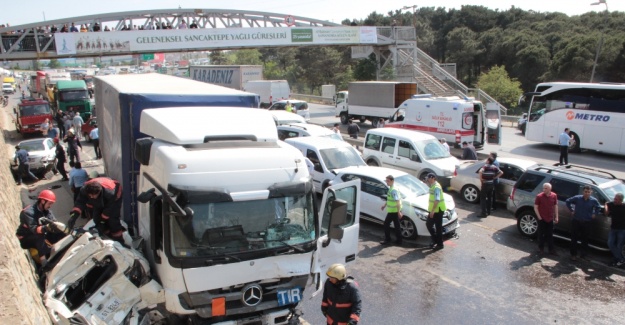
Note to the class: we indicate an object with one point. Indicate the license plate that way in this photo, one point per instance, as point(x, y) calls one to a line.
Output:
point(450, 227)
point(289, 296)
point(110, 308)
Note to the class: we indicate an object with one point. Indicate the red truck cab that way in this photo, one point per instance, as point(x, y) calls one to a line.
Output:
point(30, 114)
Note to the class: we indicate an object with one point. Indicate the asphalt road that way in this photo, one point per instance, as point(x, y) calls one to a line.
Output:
point(490, 274)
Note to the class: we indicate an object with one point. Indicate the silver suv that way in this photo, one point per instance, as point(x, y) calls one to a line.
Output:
point(566, 181)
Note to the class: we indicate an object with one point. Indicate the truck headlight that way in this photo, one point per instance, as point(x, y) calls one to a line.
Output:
point(422, 214)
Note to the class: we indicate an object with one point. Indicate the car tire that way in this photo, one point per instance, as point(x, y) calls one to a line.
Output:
point(470, 193)
point(408, 228)
point(372, 162)
point(527, 223)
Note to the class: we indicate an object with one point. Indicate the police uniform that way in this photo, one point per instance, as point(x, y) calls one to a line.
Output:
point(341, 303)
point(435, 224)
point(392, 215)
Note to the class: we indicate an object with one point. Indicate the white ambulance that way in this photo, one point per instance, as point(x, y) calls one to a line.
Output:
point(453, 118)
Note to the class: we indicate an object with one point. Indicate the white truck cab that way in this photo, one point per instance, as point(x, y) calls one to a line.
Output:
point(328, 156)
point(414, 152)
point(229, 219)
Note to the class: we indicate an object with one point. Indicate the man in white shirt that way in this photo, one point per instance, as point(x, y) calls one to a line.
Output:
point(564, 140)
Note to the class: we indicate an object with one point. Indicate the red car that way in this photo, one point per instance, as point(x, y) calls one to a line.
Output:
point(87, 127)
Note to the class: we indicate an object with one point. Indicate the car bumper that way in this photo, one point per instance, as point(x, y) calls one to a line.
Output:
point(510, 205)
point(453, 224)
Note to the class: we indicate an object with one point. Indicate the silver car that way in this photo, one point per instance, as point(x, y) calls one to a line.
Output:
point(467, 179)
point(41, 154)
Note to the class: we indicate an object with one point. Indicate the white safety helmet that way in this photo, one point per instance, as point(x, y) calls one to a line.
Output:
point(337, 271)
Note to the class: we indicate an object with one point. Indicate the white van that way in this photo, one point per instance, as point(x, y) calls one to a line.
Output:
point(413, 152)
point(269, 90)
point(328, 157)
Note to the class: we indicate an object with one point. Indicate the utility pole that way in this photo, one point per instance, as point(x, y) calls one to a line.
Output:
point(605, 22)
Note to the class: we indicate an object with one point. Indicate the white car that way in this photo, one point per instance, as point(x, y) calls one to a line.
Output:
point(299, 106)
point(296, 130)
point(284, 117)
point(415, 199)
point(41, 154)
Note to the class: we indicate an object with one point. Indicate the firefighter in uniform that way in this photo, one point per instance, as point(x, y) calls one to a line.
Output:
point(436, 209)
point(32, 234)
point(101, 199)
point(341, 304)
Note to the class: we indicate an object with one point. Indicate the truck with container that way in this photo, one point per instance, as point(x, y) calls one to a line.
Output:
point(451, 118)
point(231, 76)
point(48, 88)
point(270, 91)
point(30, 113)
point(372, 100)
point(73, 95)
point(226, 211)
point(37, 82)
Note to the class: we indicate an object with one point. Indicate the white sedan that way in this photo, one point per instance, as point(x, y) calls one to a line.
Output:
point(414, 193)
point(41, 154)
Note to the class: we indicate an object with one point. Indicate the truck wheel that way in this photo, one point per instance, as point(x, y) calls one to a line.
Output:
point(372, 162)
point(363, 119)
point(344, 118)
point(374, 123)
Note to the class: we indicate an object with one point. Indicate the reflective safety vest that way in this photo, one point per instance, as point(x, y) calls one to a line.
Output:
point(441, 203)
point(391, 204)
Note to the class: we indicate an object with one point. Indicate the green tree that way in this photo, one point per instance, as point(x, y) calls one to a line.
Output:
point(463, 49)
point(500, 86)
point(247, 57)
point(54, 63)
point(218, 58)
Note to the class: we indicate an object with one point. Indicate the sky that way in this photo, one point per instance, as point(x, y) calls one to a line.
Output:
point(32, 11)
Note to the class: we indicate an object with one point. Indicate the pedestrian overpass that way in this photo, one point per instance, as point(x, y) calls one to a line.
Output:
point(151, 31)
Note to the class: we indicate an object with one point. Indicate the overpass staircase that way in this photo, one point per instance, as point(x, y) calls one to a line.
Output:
point(411, 64)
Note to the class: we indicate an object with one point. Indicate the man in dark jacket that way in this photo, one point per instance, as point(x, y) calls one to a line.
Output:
point(21, 158)
point(341, 303)
point(60, 159)
point(72, 145)
point(101, 198)
point(32, 234)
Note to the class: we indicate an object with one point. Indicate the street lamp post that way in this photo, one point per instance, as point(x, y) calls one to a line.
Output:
point(414, 14)
point(594, 66)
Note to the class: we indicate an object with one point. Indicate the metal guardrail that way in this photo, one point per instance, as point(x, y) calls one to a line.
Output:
point(313, 99)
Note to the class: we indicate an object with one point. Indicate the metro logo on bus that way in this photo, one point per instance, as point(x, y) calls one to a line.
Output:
point(587, 117)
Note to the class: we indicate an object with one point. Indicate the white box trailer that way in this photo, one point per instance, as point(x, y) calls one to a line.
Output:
point(231, 76)
point(270, 91)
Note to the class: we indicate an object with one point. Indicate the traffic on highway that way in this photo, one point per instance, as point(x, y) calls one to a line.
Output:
point(487, 270)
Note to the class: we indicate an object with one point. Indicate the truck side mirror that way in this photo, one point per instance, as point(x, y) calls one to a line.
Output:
point(338, 217)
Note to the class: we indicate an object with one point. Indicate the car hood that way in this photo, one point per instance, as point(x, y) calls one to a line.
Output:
point(446, 164)
point(93, 280)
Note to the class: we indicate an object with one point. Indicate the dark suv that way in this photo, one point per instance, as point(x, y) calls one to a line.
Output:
point(566, 181)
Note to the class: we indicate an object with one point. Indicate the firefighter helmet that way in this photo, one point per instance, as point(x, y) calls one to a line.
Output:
point(47, 195)
point(337, 271)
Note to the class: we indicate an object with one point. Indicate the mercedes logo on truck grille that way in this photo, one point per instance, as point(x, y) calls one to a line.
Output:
point(252, 295)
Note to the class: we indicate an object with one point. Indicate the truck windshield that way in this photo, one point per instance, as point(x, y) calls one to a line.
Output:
point(70, 95)
point(33, 110)
point(336, 158)
point(228, 229)
point(433, 149)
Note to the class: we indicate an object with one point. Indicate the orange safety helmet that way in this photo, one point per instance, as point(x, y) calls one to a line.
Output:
point(47, 195)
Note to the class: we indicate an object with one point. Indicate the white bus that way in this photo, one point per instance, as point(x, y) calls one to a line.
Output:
point(594, 112)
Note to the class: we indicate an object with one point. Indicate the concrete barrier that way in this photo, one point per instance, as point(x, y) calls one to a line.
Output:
point(21, 302)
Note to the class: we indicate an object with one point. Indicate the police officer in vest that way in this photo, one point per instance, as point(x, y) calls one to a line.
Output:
point(489, 173)
point(436, 209)
point(341, 303)
point(393, 212)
